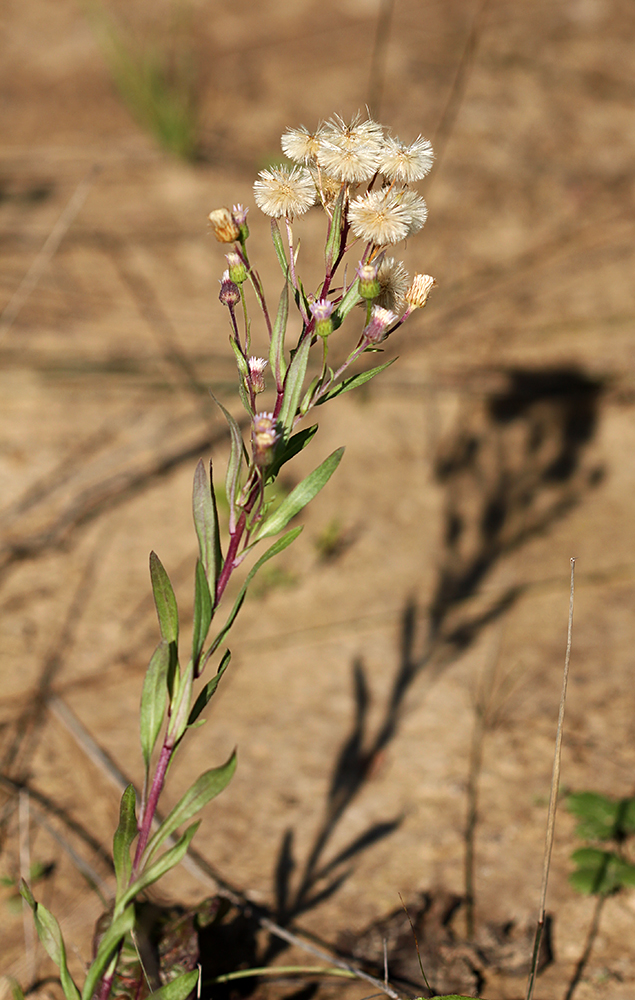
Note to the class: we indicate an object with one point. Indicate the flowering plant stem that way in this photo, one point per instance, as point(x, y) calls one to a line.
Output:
point(339, 158)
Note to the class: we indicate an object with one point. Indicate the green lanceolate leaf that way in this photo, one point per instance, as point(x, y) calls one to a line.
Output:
point(124, 836)
point(202, 612)
point(299, 497)
point(162, 865)
point(118, 929)
point(293, 385)
point(277, 547)
point(293, 447)
point(204, 789)
point(354, 381)
point(349, 301)
point(153, 697)
point(334, 238)
point(164, 599)
point(180, 706)
point(16, 991)
point(310, 393)
point(276, 350)
point(232, 476)
point(206, 693)
point(278, 246)
point(206, 523)
point(178, 989)
point(49, 933)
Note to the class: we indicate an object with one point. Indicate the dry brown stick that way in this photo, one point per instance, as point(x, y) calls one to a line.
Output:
point(553, 799)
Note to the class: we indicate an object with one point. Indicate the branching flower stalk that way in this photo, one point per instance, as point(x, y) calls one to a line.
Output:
point(360, 176)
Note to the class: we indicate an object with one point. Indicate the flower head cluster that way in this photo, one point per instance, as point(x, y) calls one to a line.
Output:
point(340, 153)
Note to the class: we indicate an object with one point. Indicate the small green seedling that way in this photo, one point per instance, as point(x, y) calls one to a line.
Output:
point(601, 871)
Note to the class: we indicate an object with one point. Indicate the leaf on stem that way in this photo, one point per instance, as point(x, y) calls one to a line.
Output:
point(153, 697)
point(164, 599)
point(353, 382)
point(178, 989)
point(202, 613)
point(163, 864)
point(293, 447)
point(204, 789)
point(293, 385)
point(349, 300)
point(334, 239)
point(278, 246)
point(299, 497)
point(276, 349)
point(277, 547)
point(232, 476)
point(205, 514)
point(124, 835)
point(118, 929)
point(206, 693)
point(180, 706)
point(50, 934)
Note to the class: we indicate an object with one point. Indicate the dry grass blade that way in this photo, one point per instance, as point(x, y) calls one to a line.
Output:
point(553, 798)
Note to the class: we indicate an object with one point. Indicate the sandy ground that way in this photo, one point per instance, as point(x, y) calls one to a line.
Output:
point(497, 447)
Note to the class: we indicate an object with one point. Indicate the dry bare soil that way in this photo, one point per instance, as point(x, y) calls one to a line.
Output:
point(497, 447)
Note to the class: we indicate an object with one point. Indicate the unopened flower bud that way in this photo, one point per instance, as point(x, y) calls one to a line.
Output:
point(417, 294)
point(321, 311)
point(380, 320)
point(369, 286)
point(264, 437)
point(237, 269)
point(256, 373)
point(239, 215)
point(226, 229)
point(229, 293)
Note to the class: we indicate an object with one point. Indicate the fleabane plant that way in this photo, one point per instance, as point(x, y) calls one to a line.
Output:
point(361, 178)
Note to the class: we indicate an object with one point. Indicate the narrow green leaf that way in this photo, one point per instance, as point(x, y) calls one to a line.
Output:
point(205, 788)
point(334, 238)
point(276, 349)
point(232, 476)
point(354, 381)
point(50, 934)
point(205, 513)
point(349, 301)
point(124, 835)
point(295, 444)
point(153, 698)
point(179, 989)
point(202, 612)
point(121, 925)
point(309, 394)
point(278, 546)
point(164, 599)
point(278, 246)
point(293, 385)
point(206, 693)
point(299, 497)
point(180, 705)
point(164, 864)
point(16, 990)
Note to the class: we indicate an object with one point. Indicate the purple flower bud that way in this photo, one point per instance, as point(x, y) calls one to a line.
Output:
point(264, 437)
point(380, 320)
point(229, 293)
